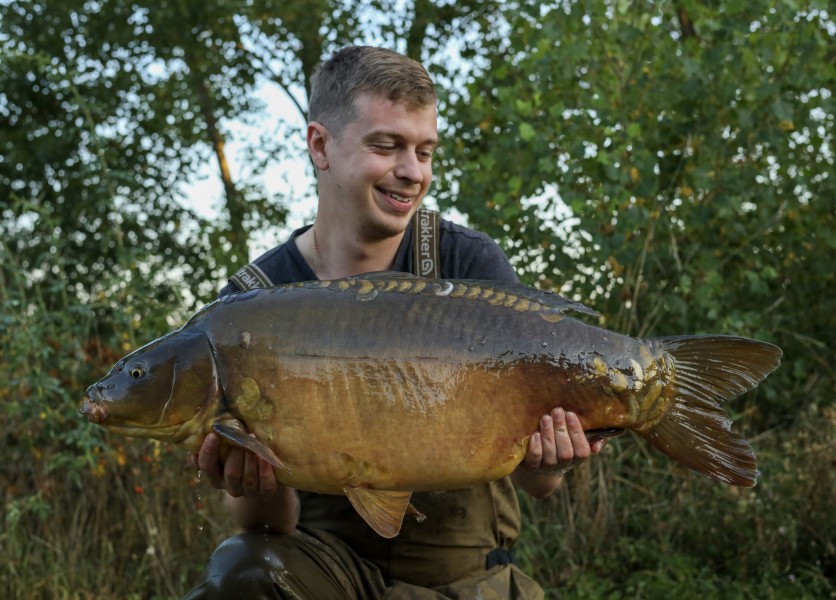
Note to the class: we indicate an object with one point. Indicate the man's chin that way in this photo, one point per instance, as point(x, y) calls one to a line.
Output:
point(387, 225)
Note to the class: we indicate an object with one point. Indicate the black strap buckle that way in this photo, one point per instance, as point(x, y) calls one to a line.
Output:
point(498, 556)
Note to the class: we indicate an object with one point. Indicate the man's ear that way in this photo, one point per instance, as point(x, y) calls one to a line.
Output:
point(318, 136)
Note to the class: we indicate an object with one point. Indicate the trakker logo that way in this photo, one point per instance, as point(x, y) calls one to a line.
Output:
point(426, 249)
point(250, 277)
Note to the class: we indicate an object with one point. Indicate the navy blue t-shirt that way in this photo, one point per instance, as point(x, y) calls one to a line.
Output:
point(464, 254)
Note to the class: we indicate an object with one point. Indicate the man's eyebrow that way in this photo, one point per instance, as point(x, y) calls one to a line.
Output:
point(383, 133)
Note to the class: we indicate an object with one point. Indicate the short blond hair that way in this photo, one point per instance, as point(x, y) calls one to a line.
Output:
point(355, 70)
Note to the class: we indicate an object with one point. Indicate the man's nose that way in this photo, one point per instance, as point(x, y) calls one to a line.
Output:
point(409, 167)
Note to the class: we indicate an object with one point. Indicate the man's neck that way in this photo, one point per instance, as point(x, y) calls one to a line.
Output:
point(335, 252)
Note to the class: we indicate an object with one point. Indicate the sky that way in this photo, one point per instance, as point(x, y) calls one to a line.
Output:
point(205, 194)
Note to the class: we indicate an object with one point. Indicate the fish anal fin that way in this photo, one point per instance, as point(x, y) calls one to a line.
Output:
point(700, 438)
point(383, 510)
point(233, 432)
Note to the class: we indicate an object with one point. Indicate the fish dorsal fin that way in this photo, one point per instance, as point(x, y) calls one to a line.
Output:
point(382, 510)
point(233, 431)
point(377, 275)
point(547, 298)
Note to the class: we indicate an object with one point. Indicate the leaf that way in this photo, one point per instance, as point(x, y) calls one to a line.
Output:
point(526, 132)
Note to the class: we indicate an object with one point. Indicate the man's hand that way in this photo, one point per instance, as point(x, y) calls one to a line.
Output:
point(256, 498)
point(557, 446)
point(241, 474)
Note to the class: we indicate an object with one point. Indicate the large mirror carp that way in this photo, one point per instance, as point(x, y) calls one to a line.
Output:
point(403, 384)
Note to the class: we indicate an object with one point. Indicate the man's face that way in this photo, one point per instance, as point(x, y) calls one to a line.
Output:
point(380, 166)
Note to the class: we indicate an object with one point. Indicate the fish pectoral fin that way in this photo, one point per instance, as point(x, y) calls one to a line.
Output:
point(234, 433)
point(383, 510)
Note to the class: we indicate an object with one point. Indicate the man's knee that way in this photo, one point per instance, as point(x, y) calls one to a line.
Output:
point(250, 565)
point(256, 551)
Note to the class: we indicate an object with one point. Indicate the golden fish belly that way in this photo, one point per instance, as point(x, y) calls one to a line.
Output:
point(411, 425)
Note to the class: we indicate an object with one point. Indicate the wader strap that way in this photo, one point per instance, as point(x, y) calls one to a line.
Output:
point(425, 243)
point(250, 277)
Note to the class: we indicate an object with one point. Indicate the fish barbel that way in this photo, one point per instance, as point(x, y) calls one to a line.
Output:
point(380, 385)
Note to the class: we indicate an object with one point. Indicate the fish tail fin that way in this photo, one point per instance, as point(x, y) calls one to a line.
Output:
point(696, 430)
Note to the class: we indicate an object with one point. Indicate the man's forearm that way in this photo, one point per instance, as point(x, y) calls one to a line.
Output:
point(276, 513)
point(536, 484)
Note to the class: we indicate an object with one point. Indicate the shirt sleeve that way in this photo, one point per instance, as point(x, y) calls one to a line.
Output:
point(490, 262)
point(470, 254)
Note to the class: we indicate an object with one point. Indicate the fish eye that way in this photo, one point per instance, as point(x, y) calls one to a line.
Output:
point(137, 371)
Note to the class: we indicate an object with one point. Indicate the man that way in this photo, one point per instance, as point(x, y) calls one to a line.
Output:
point(371, 136)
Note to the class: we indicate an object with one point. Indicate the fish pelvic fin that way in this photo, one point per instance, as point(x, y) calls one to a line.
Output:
point(233, 432)
point(696, 430)
point(382, 510)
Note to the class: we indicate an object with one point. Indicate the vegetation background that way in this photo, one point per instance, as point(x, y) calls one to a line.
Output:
point(668, 163)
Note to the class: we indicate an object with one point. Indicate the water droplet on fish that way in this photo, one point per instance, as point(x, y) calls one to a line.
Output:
point(246, 338)
point(545, 344)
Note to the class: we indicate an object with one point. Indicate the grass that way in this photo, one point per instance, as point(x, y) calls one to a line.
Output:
point(140, 529)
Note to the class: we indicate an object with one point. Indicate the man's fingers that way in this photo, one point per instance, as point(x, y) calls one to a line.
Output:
point(242, 473)
point(564, 444)
point(267, 482)
point(580, 445)
point(208, 460)
point(535, 451)
point(234, 471)
point(250, 476)
point(560, 443)
point(548, 437)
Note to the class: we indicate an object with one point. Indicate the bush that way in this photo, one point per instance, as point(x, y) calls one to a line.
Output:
point(633, 524)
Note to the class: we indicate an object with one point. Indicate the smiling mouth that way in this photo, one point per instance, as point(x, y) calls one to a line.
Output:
point(397, 197)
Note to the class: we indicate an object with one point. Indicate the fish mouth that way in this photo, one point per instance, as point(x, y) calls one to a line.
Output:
point(93, 407)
